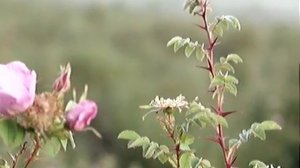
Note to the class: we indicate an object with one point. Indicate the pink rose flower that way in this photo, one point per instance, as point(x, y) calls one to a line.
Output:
point(17, 88)
point(81, 115)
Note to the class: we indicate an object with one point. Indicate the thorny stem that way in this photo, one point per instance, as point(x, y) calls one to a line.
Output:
point(35, 151)
point(17, 155)
point(219, 90)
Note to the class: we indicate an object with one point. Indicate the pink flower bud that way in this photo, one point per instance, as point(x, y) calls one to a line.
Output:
point(62, 83)
point(17, 88)
point(81, 115)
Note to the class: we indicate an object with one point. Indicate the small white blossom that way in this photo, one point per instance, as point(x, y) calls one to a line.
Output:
point(271, 166)
point(160, 103)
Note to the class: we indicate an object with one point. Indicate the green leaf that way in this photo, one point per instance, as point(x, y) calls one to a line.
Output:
point(200, 53)
point(218, 29)
point(235, 58)
point(52, 146)
point(205, 163)
point(185, 160)
point(234, 21)
point(217, 81)
point(231, 79)
point(224, 66)
point(189, 50)
point(270, 125)
point(231, 88)
point(163, 158)
point(257, 164)
point(138, 142)
point(128, 135)
point(174, 40)
point(11, 132)
point(259, 132)
point(150, 151)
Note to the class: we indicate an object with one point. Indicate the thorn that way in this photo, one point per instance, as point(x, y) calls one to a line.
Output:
point(233, 160)
point(203, 67)
point(213, 139)
point(202, 27)
point(224, 114)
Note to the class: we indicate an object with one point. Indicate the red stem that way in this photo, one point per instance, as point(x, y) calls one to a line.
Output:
point(210, 61)
point(35, 151)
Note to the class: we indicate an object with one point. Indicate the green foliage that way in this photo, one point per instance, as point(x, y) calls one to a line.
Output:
point(11, 132)
point(190, 47)
point(52, 146)
point(223, 23)
point(257, 130)
point(150, 149)
point(201, 116)
point(221, 80)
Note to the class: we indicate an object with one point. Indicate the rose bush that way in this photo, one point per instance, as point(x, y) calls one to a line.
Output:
point(41, 119)
point(17, 88)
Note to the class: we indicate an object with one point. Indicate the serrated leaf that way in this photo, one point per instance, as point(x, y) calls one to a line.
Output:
point(52, 146)
point(205, 163)
point(259, 132)
point(164, 148)
point(257, 164)
point(224, 67)
point(163, 158)
point(234, 21)
point(200, 53)
point(150, 151)
point(128, 135)
point(269, 125)
point(235, 58)
point(221, 120)
point(188, 51)
point(231, 88)
point(185, 160)
point(11, 132)
point(174, 40)
point(218, 30)
point(138, 142)
point(217, 81)
point(178, 45)
point(187, 139)
point(231, 79)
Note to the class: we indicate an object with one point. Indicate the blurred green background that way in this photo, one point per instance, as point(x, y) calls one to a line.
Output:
point(119, 49)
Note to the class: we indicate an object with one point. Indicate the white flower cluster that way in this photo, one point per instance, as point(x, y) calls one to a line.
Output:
point(161, 104)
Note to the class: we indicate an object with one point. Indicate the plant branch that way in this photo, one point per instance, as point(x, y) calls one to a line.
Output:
point(35, 151)
point(17, 155)
point(220, 90)
point(169, 125)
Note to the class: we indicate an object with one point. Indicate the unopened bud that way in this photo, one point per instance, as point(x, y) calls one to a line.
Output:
point(62, 84)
